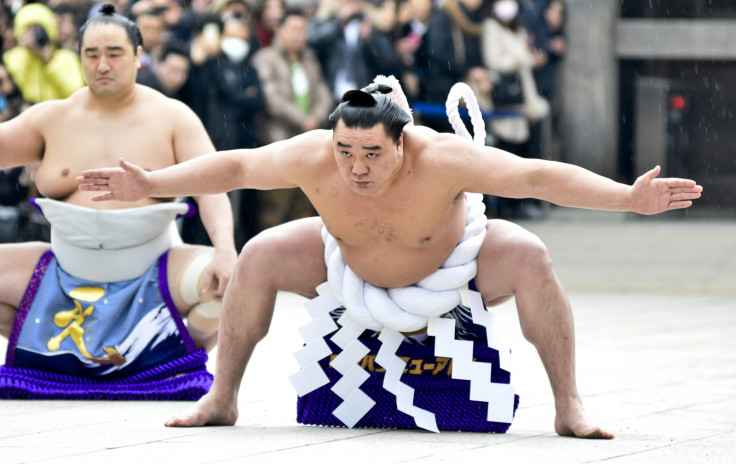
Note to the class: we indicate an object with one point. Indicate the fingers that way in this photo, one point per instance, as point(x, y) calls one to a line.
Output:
point(221, 286)
point(685, 195)
point(653, 173)
point(105, 197)
point(680, 204)
point(95, 187)
point(128, 166)
point(685, 183)
point(208, 278)
point(90, 174)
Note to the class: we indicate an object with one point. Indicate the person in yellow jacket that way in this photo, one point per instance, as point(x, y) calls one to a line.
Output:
point(41, 70)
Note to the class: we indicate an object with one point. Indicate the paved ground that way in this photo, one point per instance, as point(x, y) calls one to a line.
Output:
point(655, 310)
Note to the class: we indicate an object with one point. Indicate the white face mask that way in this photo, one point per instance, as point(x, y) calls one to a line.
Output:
point(235, 49)
point(506, 10)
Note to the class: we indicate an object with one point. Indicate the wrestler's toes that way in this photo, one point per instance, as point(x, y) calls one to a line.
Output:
point(581, 430)
point(202, 415)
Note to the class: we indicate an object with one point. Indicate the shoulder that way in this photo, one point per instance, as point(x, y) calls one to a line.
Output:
point(307, 145)
point(442, 148)
point(49, 112)
point(155, 103)
point(266, 54)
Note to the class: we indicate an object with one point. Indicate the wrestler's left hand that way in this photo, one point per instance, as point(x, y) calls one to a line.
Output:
point(650, 195)
point(219, 272)
point(129, 182)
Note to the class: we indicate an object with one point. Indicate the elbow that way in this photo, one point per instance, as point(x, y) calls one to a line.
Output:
point(235, 168)
point(534, 179)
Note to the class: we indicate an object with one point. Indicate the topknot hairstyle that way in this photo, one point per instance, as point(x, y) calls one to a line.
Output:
point(107, 14)
point(369, 106)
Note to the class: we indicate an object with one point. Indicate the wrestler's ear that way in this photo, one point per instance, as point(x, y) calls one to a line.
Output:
point(138, 52)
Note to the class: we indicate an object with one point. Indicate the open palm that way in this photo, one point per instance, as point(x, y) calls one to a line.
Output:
point(651, 195)
point(129, 182)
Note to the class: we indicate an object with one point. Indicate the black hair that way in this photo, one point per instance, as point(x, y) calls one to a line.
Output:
point(369, 106)
point(289, 12)
point(108, 15)
point(174, 48)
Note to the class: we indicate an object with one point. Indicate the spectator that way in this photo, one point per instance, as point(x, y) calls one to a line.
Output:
point(350, 51)
point(454, 54)
point(6, 28)
point(235, 9)
point(506, 51)
point(152, 26)
point(410, 44)
point(178, 21)
point(233, 99)
point(268, 14)
point(83, 9)
point(531, 14)
point(19, 221)
point(382, 54)
point(169, 73)
point(551, 42)
point(11, 100)
point(41, 69)
point(296, 100)
point(235, 90)
point(66, 22)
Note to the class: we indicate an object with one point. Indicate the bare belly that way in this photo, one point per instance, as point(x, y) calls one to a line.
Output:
point(392, 267)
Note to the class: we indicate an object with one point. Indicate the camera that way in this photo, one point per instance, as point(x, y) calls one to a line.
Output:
point(41, 36)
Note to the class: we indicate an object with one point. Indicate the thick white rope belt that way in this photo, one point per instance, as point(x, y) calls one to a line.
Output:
point(406, 309)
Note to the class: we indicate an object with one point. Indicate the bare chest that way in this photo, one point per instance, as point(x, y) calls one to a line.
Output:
point(74, 145)
point(411, 216)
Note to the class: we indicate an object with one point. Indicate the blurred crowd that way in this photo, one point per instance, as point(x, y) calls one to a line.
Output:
point(258, 71)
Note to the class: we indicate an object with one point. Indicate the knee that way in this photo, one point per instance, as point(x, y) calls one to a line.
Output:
point(261, 253)
point(534, 255)
point(204, 316)
point(522, 252)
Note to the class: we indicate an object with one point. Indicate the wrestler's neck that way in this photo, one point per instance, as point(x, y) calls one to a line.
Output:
point(114, 102)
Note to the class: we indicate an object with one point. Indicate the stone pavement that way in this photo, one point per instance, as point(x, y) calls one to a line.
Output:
point(655, 310)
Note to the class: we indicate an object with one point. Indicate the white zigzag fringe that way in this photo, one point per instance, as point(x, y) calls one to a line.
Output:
point(404, 310)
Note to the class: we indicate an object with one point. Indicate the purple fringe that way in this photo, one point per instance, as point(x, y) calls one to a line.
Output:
point(25, 305)
point(163, 287)
point(447, 398)
point(182, 379)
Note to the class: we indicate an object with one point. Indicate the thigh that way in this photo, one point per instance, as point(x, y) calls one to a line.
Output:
point(288, 257)
point(509, 257)
point(18, 262)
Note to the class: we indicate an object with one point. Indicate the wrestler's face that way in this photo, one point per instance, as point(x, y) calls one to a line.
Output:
point(108, 60)
point(368, 159)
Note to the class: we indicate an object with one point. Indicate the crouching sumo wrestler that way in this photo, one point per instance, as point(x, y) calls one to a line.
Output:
point(100, 312)
point(98, 318)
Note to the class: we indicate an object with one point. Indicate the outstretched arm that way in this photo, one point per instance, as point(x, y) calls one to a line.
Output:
point(269, 167)
point(507, 175)
point(207, 174)
point(569, 185)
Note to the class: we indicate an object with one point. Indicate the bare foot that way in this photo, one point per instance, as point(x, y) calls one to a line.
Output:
point(207, 411)
point(574, 421)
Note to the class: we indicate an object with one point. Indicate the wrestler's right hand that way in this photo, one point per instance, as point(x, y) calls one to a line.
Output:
point(129, 182)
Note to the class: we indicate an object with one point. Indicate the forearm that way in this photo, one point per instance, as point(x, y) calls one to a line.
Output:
point(217, 217)
point(570, 185)
point(204, 175)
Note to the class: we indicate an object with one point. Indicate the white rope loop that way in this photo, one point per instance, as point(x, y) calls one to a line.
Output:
point(408, 309)
point(458, 91)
